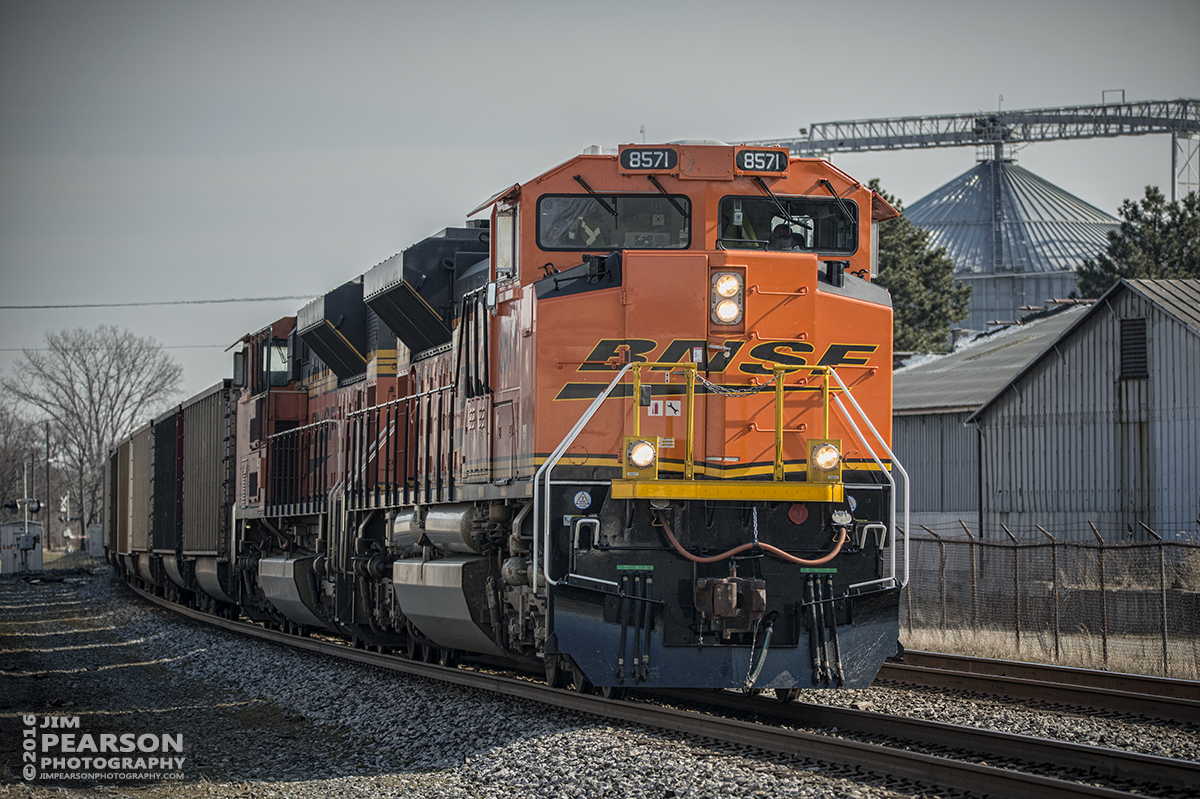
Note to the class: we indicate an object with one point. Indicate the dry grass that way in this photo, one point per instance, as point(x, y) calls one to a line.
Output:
point(1128, 654)
point(60, 559)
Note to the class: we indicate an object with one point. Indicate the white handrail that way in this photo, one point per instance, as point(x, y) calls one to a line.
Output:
point(892, 511)
point(541, 478)
point(541, 517)
point(886, 473)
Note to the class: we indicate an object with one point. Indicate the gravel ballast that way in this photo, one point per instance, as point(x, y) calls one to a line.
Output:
point(258, 719)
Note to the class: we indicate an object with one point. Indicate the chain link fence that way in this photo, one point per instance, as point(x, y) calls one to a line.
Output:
point(1130, 606)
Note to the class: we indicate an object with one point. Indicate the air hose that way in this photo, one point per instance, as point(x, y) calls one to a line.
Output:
point(776, 551)
point(756, 669)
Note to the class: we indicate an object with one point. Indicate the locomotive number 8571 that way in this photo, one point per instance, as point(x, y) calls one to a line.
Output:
point(633, 427)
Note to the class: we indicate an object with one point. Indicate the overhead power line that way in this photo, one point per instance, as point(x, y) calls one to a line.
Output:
point(165, 302)
point(165, 347)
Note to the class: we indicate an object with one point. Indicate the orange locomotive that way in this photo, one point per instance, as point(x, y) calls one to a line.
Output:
point(635, 426)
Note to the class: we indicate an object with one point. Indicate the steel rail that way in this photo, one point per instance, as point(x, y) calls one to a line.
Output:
point(1122, 693)
point(1100, 761)
point(880, 760)
point(1066, 675)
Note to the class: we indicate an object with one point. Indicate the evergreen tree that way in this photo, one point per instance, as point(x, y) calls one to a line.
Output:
point(1156, 240)
point(926, 299)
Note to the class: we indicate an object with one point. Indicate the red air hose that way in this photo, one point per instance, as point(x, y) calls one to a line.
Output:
point(776, 551)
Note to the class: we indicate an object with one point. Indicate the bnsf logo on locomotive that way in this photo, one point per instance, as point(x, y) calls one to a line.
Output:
point(612, 352)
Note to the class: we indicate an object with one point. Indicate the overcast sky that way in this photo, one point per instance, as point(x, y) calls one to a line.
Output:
point(205, 150)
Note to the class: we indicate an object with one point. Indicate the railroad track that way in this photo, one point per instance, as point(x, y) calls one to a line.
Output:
point(1145, 774)
point(1177, 700)
point(1131, 770)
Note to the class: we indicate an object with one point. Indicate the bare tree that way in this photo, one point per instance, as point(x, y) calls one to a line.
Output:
point(95, 387)
point(17, 440)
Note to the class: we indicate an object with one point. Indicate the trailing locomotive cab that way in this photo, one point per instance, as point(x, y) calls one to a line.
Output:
point(268, 573)
point(692, 367)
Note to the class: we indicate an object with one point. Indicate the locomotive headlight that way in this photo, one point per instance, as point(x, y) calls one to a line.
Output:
point(824, 460)
point(826, 457)
point(727, 285)
point(727, 312)
point(641, 453)
point(727, 298)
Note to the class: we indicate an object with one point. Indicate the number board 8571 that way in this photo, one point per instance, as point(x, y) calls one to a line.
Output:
point(772, 161)
point(649, 159)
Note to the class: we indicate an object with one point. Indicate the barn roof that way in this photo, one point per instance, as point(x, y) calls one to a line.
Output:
point(1179, 299)
point(965, 379)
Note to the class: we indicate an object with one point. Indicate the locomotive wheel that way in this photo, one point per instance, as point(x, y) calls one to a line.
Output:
point(611, 692)
point(580, 682)
point(787, 694)
point(428, 653)
point(412, 647)
point(557, 676)
point(447, 658)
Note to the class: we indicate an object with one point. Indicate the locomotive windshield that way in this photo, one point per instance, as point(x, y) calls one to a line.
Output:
point(276, 355)
point(814, 224)
point(613, 222)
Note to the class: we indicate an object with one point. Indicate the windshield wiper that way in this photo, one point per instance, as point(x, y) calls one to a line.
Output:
point(791, 218)
point(841, 203)
point(670, 199)
point(783, 212)
point(595, 196)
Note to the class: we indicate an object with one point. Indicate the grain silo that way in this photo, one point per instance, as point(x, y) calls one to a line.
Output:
point(1014, 237)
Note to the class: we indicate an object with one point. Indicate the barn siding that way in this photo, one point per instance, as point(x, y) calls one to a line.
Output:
point(941, 456)
point(1069, 442)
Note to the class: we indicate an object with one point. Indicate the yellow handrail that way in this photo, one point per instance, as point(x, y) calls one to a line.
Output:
point(779, 372)
point(690, 372)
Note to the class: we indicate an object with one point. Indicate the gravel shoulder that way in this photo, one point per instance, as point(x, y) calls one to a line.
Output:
point(1143, 735)
point(262, 720)
point(258, 719)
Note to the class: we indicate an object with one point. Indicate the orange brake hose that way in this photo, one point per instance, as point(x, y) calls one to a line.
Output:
point(776, 551)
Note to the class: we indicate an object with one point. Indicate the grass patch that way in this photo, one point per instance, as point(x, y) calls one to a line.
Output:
point(61, 559)
point(1081, 648)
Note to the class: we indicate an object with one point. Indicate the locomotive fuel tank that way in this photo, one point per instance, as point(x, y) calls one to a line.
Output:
point(442, 599)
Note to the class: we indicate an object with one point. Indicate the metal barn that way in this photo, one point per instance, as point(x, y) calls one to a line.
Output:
point(1102, 428)
point(933, 399)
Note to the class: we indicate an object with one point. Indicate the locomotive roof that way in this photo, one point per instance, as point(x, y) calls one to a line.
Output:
point(881, 210)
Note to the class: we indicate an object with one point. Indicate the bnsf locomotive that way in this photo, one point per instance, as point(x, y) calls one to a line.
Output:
point(632, 428)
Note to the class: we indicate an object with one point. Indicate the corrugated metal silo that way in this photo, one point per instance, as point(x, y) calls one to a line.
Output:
point(1014, 237)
